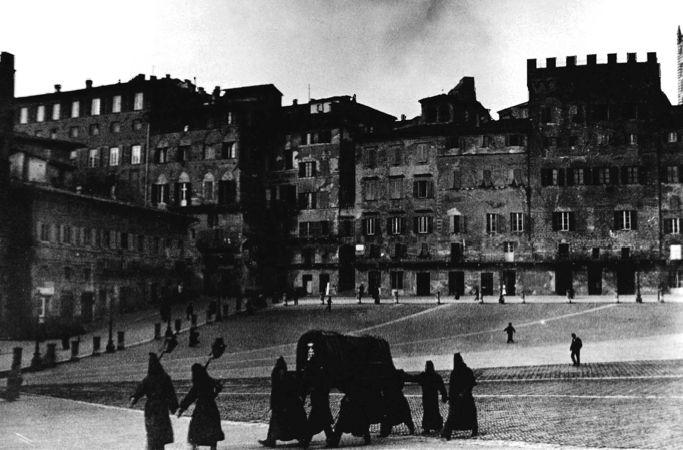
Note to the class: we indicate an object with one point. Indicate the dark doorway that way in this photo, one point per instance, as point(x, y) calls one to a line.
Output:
point(626, 280)
point(510, 279)
point(307, 282)
point(67, 310)
point(87, 301)
point(594, 280)
point(422, 283)
point(563, 279)
point(456, 283)
point(374, 281)
point(486, 283)
point(347, 272)
point(456, 252)
point(323, 280)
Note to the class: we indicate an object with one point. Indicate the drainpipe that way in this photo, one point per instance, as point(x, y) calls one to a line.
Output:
point(146, 200)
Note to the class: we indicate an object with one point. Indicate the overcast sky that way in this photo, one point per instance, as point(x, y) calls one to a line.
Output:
point(390, 53)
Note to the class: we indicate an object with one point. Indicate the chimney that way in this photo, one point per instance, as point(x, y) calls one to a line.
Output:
point(216, 92)
point(530, 64)
point(571, 61)
point(58, 88)
point(295, 102)
point(403, 117)
point(550, 63)
point(611, 58)
point(168, 76)
point(6, 115)
point(591, 60)
point(88, 84)
point(651, 57)
point(631, 57)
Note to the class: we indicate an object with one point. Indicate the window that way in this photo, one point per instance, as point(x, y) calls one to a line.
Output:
point(40, 113)
point(137, 124)
point(116, 104)
point(115, 127)
point(675, 253)
point(140, 243)
point(517, 222)
point(424, 224)
point(563, 250)
point(396, 225)
point(73, 155)
point(307, 169)
point(346, 227)
point(424, 250)
point(370, 158)
point(578, 176)
point(546, 115)
point(95, 107)
point(228, 150)
point(370, 226)
point(135, 154)
point(374, 251)
point(396, 279)
point(517, 179)
point(508, 247)
point(227, 192)
point(625, 220)
point(94, 129)
point(124, 240)
point(396, 187)
point(485, 141)
point(422, 153)
point(183, 191)
point(457, 179)
point(672, 174)
point(458, 224)
point(67, 234)
point(161, 155)
point(307, 200)
point(672, 225)
point(595, 253)
point(629, 175)
point(632, 139)
point(486, 179)
point(209, 152)
point(208, 185)
point(423, 189)
point(53, 133)
point(23, 115)
point(671, 137)
point(44, 232)
point(456, 252)
point(371, 189)
point(396, 154)
point(400, 250)
point(307, 257)
point(75, 109)
point(563, 221)
point(552, 177)
point(515, 140)
point(56, 110)
point(138, 101)
point(114, 156)
point(160, 193)
point(94, 158)
point(491, 223)
point(603, 175)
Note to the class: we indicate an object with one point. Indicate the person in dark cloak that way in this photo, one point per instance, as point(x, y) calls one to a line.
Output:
point(432, 385)
point(510, 330)
point(205, 426)
point(396, 408)
point(288, 416)
point(320, 418)
point(353, 417)
point(575, 350)
point(161, 399)
point(462, 412)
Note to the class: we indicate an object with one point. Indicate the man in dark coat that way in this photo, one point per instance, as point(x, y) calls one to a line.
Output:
point(205, 426)
point(510, 330)
point(462, 412)
point(161, 399)
point(575, 350)
point(396, 408)
point(320, 418)
point(353, 417)
point(432, 385)
point(288, 416)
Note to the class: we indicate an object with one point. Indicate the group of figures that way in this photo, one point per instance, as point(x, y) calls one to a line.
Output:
point(205, 425)
point(364, 404)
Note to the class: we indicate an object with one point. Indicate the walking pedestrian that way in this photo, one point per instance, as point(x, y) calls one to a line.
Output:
point(161, 399)
point(205, 425)
point(353, 417)
point(432, 385)
point(320, 418)
point(329, 303)
point(396, 408)
point(288, 416)
point(361, 292)
point(510, 330)
point(575, 349)
point(462, 412)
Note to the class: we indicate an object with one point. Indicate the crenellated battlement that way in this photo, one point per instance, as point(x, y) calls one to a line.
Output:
point(590, 61)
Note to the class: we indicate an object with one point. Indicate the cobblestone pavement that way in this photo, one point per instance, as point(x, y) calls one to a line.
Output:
point(619, 405)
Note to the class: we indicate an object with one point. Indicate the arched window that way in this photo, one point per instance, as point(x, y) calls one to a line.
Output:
point(208, 187)
point(674, 203)
point(183, 190)
point(160, 190)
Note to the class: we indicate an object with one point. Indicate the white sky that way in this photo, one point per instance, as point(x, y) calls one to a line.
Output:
point(390, 53)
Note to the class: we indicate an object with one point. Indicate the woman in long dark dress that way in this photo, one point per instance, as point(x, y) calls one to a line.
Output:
point(161, 399)
point(432, 385)
point(353, 416)
point(396, 408)
point(205, 426)
point(288, 416)
point(462, 412)
point(320, 418)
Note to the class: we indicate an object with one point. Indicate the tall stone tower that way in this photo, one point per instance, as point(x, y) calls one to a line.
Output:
point(680, 67)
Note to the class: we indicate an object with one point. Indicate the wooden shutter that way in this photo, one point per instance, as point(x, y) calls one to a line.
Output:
point(556, 221)
point(618, 220)
point(456, 224)
point(634, 220)
point(430, 224)
point(415, 224)
point(302, 170)
point(569, 178)
point(546, 177)
point(572, 221)
point(560, 177)
point(430, 189)
point(614, 175)
point(155, 193)
point(501, 223)
point(415, 189)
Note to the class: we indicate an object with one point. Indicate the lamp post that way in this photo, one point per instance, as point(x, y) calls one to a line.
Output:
point(111, 348)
